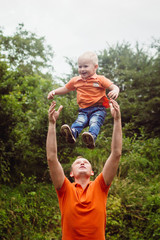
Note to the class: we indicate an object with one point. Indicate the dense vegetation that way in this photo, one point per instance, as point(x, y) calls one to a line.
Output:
point(28, 202)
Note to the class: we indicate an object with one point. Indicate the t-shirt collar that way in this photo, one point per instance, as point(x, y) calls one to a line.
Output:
point(93, 76)
point(78, 185)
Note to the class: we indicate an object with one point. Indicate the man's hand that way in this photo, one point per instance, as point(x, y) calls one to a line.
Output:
point(51, 94)
point(115, 109)
point(52, 113)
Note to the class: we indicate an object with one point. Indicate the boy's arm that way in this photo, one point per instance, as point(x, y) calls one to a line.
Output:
point(114, 91)
point(112, 163)
point(56, 170)
point(58, 91)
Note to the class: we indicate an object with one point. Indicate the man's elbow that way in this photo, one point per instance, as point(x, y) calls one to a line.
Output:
point(117, 154)
point(51, 158)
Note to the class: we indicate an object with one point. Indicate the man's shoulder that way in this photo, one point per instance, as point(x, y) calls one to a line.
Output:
point(66, 184)
point(97, 179)
point(100, 180)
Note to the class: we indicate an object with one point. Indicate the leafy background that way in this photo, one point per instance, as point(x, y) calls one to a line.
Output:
point(28, 201)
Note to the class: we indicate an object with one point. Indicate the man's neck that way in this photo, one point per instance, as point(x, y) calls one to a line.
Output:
point(83, 181)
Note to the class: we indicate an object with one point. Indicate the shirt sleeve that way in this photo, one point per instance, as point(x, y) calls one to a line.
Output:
point(105, 82)
point(61, 191)
point(104, 187)
point(70, 84)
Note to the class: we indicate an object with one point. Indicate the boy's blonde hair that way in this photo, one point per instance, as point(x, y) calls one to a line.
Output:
point(90, 55)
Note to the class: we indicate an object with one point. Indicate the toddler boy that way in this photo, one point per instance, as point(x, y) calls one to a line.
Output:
point(91, 98)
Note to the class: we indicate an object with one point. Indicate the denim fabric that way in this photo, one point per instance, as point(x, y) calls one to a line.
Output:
point(92, 117)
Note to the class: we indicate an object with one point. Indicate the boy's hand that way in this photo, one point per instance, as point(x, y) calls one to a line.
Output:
point(113, 94)
point(52, 113)
point(115, 109)
point(51, 94)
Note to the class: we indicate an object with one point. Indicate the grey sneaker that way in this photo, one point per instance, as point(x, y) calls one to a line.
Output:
point(67, 133)
point(88, 139)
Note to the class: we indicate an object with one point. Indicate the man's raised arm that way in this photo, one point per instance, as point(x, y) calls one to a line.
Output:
point(111, 165)
point(56, 170)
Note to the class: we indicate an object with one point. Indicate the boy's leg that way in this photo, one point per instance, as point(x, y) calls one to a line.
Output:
point(96, 120)
point(72, 133)
point(67, 133)
point(80, 123)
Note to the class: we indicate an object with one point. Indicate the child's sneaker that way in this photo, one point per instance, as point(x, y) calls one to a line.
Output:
point(88, 139)
point(67, 133)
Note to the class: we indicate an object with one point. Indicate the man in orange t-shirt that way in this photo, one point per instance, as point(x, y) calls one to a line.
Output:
point(83, 203)
point(91, 98)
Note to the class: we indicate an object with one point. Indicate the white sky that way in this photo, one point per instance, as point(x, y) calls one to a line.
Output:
point(74, 26)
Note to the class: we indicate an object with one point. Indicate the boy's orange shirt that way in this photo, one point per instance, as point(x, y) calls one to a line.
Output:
point(89, 91)
point(83, 211)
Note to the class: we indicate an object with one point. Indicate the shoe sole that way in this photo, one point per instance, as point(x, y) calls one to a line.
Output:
point(66, 132)
point(88, 140)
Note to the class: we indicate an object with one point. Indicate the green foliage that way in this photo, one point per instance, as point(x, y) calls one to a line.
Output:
point(136, 72)
point(23, 113)
point(23, 104)
point(25, 51)
point(136, 189)
point(29, 211)
point(115, 213)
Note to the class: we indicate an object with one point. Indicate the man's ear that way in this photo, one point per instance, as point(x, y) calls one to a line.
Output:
point(71, 174)
point(92, 173)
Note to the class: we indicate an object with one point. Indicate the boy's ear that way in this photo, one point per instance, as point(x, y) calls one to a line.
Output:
point(96, 66)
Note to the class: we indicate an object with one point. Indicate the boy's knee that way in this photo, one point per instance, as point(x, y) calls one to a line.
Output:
point(94, 120)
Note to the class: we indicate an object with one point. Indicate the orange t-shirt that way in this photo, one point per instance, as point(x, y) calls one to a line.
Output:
point(83, 211)
point(89, 91)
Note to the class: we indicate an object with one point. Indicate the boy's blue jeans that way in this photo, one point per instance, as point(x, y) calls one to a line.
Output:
point(92, 117)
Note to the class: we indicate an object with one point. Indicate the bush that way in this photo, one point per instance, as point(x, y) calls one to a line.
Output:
point(29, 211)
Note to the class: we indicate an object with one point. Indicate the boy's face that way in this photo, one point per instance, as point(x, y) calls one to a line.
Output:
point(86, 67)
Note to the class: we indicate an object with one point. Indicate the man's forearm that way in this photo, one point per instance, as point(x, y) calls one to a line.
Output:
point(56, 171)
point(116, 146)
point(111, 165)
point(51, 143)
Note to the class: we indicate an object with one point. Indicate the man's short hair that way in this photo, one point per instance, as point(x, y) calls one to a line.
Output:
point(78, 157)
point(90, 55)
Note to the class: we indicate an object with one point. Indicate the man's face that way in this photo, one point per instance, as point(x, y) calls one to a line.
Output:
point(81, 166)
point(86, 68)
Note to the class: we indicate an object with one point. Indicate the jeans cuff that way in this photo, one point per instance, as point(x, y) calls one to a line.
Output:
point(74, 132)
